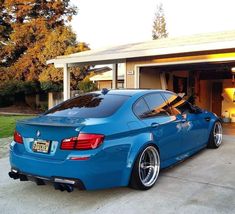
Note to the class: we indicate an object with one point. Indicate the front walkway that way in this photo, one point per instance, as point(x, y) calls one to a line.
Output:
point(4, 146)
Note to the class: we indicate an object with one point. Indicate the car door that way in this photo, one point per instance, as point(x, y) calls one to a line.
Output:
point(155, 113)
point(194, 126)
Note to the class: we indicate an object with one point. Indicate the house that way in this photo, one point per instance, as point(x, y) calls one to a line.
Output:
point(199, 67)
point(103, 78)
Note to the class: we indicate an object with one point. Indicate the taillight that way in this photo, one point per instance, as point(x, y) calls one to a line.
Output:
point(89, 141)
point(18, 138)
point(68, 144)
point(82, 142)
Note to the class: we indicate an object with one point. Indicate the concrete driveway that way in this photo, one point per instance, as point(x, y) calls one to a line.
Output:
point(204, 183)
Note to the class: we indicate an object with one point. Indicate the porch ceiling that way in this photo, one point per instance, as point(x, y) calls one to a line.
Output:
point(214, 66)
point(168, 46)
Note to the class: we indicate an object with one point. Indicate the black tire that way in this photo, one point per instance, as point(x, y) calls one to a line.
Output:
point(136, 180)
point(216, 136)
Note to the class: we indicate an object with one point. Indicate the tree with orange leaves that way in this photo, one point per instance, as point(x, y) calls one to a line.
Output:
point(31, 32)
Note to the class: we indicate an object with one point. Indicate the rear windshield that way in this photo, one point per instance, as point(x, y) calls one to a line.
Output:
point(91, 105)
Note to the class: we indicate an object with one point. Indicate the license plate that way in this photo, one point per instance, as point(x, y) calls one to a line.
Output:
point(41, 146)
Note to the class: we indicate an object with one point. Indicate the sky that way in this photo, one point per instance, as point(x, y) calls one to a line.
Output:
point(102, 23)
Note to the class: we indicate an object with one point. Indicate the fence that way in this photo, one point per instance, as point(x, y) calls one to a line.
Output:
point(55, 98)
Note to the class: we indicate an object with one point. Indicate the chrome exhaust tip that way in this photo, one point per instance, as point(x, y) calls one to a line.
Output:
point(64, 181)
point(69, 188)
point(62, 187)
point(39, 182)
point(23, 177)
point(14, 175)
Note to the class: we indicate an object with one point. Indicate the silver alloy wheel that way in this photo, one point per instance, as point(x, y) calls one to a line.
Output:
point(149, 166)
point(217, 132)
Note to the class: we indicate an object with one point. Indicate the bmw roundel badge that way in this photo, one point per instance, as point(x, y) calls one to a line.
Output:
point(38, 133)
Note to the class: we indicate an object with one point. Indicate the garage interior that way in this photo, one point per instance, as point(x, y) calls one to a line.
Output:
point(208, 85)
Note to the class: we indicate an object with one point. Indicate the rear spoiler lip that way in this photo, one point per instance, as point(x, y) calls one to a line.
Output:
point(53, 121)
point(49, 124)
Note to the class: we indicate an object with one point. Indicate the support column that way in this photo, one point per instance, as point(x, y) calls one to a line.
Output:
point(66, 82)
point(115, 76)
point(125, 75)
point(137, 77)
point(50, 100)
point(163, 80)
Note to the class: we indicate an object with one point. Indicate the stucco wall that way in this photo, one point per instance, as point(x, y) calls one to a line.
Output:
point(104, 84)
point(130, 76)
point(150, 78)
point(130, 70)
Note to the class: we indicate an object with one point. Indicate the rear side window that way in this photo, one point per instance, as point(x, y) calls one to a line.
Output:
point(140, 108)
point(91, 105)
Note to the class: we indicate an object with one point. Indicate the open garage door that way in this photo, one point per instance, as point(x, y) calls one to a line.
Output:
point(204, 84)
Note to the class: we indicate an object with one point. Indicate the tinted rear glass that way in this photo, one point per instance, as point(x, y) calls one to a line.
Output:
point(91, 105)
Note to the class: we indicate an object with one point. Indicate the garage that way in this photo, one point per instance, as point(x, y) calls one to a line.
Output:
point(199, 67)
point(205, 84)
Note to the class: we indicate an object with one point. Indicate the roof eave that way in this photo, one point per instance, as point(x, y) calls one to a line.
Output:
point(122, 56)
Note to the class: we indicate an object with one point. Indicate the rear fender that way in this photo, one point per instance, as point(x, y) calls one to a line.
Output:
point(214, 118)
point(139, 142)
point(212, 122)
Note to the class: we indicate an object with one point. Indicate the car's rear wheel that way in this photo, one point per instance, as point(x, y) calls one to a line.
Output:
point(146, 169)
point(216, 136)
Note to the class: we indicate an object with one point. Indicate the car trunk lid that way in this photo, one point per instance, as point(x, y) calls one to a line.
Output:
point(42, 136)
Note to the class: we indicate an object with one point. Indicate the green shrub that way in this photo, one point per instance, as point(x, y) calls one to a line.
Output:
point(86, 85)
point(51, 86)
point(14, 91)
point(14, 87)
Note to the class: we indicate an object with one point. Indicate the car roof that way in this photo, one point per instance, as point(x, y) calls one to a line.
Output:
point(129, 92)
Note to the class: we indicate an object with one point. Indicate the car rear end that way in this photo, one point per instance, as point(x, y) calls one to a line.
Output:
point(67, 149)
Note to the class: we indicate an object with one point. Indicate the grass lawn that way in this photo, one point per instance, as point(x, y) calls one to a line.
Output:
point(7, 125)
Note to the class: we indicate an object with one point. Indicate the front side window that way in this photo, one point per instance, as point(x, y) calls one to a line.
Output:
point(177, 104)
point(157, 106)
point(92, 105)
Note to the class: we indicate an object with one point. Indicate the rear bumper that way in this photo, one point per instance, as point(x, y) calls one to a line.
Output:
point(98, 172)
point(59, 183)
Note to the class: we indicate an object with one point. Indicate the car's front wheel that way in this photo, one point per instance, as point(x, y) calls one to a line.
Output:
point(216, 136)
point(146, 169)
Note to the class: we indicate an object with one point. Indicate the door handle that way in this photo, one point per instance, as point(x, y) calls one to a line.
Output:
point(155, 125)
point(207, 119)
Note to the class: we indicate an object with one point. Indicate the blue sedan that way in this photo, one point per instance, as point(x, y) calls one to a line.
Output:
point(111, 138)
